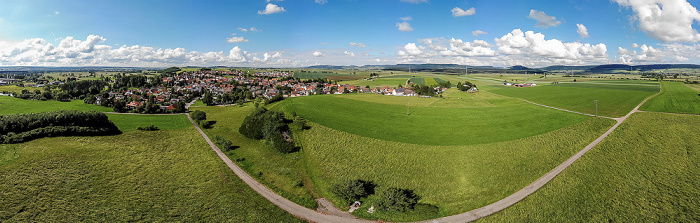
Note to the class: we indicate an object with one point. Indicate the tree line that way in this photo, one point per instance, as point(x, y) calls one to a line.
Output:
point(18, 128)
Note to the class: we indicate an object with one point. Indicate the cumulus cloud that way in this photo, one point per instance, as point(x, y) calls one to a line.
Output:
point(458, 12)
point(56, 12)
point(543, 20)
point(271, 9)
point(665, 20)
point(415, 1)
point(404, 26)
point(410, 49)
point(357, 44)
point(317, 54)
point(321, 1)
point(267, 57)
point(582, 31)
point(478, 32)
point(635, 45)
point(534, 44)
point(350, 54)
point(252, 29)
point(407, 18)
point(236, 39)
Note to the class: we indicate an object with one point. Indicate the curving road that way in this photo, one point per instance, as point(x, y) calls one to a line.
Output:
point(313, 216)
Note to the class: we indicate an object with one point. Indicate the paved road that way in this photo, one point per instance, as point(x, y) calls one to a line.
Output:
point(313, 216)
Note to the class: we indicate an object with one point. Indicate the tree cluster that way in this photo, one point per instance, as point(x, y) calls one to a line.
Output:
point(270, 126)
point(465, 86)
point(224, 144)
point(424, 90)
point(392, 198)
point(351, 190)
point(18, 128)
point(76, 89)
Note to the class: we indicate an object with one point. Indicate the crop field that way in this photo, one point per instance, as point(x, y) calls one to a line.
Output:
point(334, 75)
point(10, 105)
point(614, 100)
point(417, 80)
point(469, 176)
point(675, 98)
point(510, 120)
point(430, 81)
point(158, 176)
point(648, 170)
point(284, 173)
point(379, 82)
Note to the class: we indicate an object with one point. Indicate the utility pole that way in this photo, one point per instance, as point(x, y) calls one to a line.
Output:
point(596, 108)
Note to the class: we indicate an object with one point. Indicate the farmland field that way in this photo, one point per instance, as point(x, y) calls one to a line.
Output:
point(453, 178)
point(510, 120)
point(417, 80)
point(676, 98)
point(647, 170)
point(614, 100)
point(169, 175)
point(10, 105)
point(128, 122)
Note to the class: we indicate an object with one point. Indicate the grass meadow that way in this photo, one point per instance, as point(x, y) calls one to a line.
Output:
point(508, 119)
point(167, 175)
point(128, 122)
point(283, 173)
point(675, 98)
point(10, 105)
point(646, 171)
point(453, 178)
point(614, 100)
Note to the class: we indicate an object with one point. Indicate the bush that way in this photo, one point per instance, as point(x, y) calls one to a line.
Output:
point(351, 190)
point(224, 144)
point(396, 199)
point(198, 116)
point(148, 128)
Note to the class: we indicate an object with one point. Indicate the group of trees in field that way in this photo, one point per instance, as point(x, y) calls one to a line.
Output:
point(424, 90)
point(270, 126)
point(465, 86)
point(387, 198)
point(18, 128)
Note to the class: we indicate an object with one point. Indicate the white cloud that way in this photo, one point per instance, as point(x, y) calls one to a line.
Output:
point(321, 1)
point(252, 29)
point(478, 32)
point(582, 31)
point(317, 54)
point(415, 1)
point(533, 45)
point(271, 9)
point(665, 20)
point(267, 57)
point(407, 18)
point(458, 12)
point(56, 12)
point(635, 45)
point(411, 50)
point(357, 44)
point(543, 20)
point(274, 0)
point(236, 39)
point(645, 54)
point(404, 26)
point(350, 54)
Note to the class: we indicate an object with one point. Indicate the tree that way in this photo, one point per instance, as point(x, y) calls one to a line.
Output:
point(351, 190)
point(198, 116)
point(208, 99)
point(396, 199)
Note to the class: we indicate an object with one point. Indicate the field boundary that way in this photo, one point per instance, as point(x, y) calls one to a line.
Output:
point(313, 216)
point(560, 109)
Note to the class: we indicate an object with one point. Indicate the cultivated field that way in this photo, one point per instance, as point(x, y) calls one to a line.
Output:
point(10, 105)
point(167, 175)
point(675, 98)
point(647, 170)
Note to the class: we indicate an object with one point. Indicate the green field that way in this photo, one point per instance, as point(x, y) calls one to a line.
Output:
point(504, 120)
point(675, 98)
point(10, 105)
point(417, 80)
point(128, 122)
point(646, 171)
point(454, 178)
point(284, 173)
point(430, 81)
point(160, 176)
point(614, 99)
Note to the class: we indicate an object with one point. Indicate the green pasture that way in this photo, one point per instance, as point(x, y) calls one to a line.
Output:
point(159, 176)
point(675, 98)
point(456, 179)
point(10, 105)
point(510, 119)
point(283, 173)
point(17, 89)
point(614, 100)
point(417, 80)
point(648, 170)
point(378, 82)
point(129, 122)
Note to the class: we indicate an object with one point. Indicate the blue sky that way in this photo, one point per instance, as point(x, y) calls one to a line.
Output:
point(292, 33)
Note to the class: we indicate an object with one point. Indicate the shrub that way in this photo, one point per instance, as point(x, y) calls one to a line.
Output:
point(396, 199)
point(351, 190)
point(148, 128)
point(198, 116)
point(224, 144)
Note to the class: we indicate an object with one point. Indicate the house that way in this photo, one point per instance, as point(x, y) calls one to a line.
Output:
point(134, 105)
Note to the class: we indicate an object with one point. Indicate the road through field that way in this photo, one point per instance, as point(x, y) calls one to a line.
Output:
point(313, 216)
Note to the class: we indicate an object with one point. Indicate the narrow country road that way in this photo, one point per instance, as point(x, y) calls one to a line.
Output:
point(313, 216)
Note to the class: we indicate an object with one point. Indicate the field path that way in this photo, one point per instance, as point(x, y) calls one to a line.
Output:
point(313, 216)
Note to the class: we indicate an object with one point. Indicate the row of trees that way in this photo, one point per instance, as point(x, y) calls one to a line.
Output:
point(270, 126)
point(18, 128)
point(387, 198)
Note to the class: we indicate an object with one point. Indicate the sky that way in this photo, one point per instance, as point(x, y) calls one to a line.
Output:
point(299, 33)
